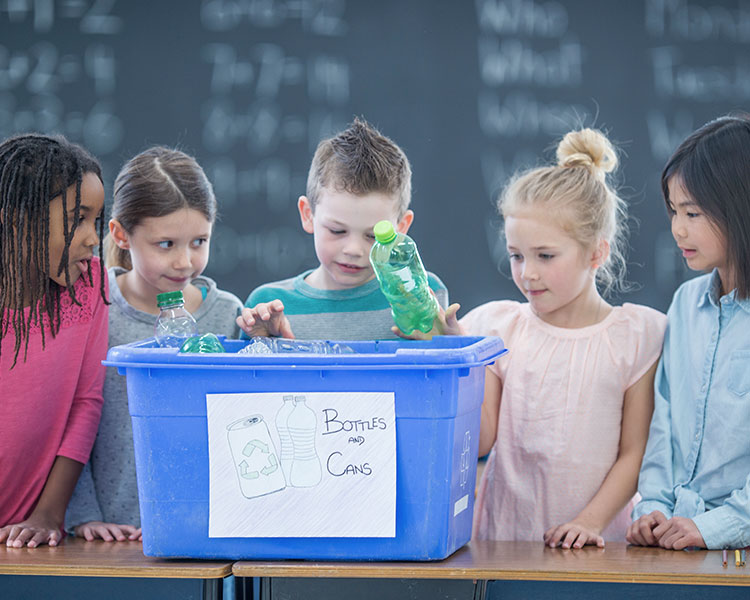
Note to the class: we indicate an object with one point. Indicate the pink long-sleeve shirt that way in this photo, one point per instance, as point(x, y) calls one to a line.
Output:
point(50, 403)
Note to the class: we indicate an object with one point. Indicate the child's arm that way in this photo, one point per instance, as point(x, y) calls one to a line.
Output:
point(656, 481)
point(45, 522)
point(726, 526)
point(266, 319)
point(620, 484)
point(493, 391)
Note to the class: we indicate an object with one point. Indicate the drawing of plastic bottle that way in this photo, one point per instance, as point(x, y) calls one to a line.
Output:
point(287, 448)
point(302, 424)
point(255, 459)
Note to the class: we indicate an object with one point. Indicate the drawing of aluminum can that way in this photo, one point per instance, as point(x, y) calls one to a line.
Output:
point(256, 460)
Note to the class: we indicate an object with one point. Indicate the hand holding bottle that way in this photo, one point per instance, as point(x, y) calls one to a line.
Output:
point(445, 323)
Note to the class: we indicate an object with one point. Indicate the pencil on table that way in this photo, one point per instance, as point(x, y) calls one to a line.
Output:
point(736, 558)
point(742, 557)
point(724, 557)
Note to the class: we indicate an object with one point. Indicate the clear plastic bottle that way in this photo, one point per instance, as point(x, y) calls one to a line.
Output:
point(302, 425)
point(403, 279)
point(286, 453)
point(175, 324)
point(271, 345)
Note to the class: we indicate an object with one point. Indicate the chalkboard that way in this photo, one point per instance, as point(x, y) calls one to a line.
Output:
point(471, 90)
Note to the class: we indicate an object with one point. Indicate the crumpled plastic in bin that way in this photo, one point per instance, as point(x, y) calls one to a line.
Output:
point(269, 345)
point(204, 344)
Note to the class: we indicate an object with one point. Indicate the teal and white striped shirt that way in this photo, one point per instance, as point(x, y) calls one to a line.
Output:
point(360, 313)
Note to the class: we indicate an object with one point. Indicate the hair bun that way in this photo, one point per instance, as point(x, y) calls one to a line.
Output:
point(588, 148)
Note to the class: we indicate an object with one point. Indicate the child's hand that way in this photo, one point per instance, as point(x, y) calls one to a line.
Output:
point(94, 530)
point(266, 319)
point(678, 533)
point(642, 531)
point(446, 323)
point(572, 535)
point(35, 531)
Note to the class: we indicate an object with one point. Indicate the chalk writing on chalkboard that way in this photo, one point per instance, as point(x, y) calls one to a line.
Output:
point(697, 60)
point(93, 16)
point(320, 17)
point(527, 55)
point(473, 92)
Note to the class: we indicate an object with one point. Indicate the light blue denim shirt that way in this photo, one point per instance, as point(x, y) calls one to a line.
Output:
point(697, 460)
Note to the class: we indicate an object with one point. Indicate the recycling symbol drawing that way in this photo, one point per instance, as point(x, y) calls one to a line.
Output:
point(271, 466)
point(255, 457)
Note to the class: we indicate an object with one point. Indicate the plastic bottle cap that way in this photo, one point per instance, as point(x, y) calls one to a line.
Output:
point(169, 298)
point(384, 232)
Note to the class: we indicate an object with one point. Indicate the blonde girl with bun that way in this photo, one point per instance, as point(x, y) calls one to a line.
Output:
point(566, 412)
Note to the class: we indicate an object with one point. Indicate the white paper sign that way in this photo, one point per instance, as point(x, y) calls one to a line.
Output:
point(316, 464)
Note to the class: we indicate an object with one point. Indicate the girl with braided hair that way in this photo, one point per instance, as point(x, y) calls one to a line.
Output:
point(53, 330)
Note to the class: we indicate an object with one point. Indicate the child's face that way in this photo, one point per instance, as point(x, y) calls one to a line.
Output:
point(550, 268)
point(166, 252)
point(86, 236)
point(342, 226)
point(702, 245)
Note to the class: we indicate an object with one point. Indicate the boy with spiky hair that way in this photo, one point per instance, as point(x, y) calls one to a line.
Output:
point(357, 178)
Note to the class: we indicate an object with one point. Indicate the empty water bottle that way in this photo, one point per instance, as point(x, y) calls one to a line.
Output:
point(259, 345)
point(175, 324)
point(403, 279)
point(271, 345)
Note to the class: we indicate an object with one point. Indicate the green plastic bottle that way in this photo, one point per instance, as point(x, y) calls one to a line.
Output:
point(403, 280)
point(205, 344)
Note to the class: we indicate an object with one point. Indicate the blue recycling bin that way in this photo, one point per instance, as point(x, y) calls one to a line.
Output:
point(438, 389)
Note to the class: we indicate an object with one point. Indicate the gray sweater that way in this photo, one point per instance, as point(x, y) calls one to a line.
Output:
point(107, 488)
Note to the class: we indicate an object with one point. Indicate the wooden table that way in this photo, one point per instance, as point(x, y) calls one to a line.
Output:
point(616, 571)
point(113, 570)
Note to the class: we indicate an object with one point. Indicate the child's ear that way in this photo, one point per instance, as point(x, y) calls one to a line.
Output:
point(405, 222)
point(305, 213)
point(119, 235)
point(600, 254)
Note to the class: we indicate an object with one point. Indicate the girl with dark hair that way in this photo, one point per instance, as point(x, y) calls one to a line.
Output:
point(162, 216)
point(53, 330)
point(695, 476)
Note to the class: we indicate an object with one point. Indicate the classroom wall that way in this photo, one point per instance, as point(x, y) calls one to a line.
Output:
point(471, 90)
